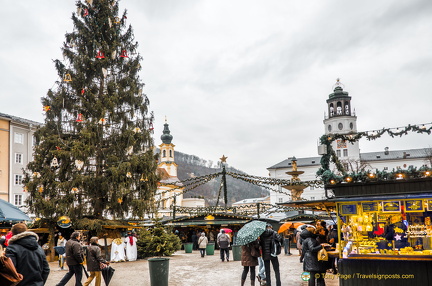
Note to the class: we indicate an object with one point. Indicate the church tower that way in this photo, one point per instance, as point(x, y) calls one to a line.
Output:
point(167, 169)
point(341, 120)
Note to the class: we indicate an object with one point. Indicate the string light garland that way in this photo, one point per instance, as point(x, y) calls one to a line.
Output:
point(329, 177)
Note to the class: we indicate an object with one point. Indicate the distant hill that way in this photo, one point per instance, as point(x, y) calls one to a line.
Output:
point(192, 166)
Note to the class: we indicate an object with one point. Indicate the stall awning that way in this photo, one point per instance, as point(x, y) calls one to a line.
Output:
point(207, 222)
point(319, 205)
point(385, 198)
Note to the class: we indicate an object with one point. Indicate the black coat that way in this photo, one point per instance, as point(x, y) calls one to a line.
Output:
point(29, 259)
point(266, 240)
point(74, 252)
point(94, 258)
point(310, 251)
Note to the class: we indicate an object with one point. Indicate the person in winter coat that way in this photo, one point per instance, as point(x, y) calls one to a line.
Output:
point(94, 258)
point(74, 260)
point(27, 256)
point(248, 261)
point(202, 243)
point(310, 261)
point(223, 241)
point(270, 240)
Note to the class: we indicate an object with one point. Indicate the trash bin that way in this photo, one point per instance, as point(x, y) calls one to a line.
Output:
point(159, 269)
point(210, 248)
point(236, 250)
point(188, 247)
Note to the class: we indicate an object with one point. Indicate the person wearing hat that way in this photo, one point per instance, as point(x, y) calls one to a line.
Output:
point(223, 242)
point(269, 241)
point(74, 260)
point(94, 259)
point(27, 256)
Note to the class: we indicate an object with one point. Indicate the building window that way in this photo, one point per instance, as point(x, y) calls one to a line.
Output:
point(18, 179)
point(164, 153)
point(312, 198)
point(19, 138)
point(170, 153)
point(345, 152)
point(280, 200)
point(338, 153)
point(18, 158)
point(18, 200)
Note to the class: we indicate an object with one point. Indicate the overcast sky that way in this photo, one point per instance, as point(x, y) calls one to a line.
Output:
point(246, 79)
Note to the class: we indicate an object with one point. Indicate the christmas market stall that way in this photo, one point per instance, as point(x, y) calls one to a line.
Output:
point(385, 231)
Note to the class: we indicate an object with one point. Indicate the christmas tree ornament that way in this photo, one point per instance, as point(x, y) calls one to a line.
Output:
point(75, 190)
point(109, 22)
point(46, 108)
point(79, 10)
point(124, 54)
point(136, 130)
point(151, 128)
point(119, 200)
point(116, 20)
point(36, 175)
point(41, 189)
point(58, 148)
point(82, 91)
point(67, 77)
point(79, 164)
point(104, 72)
point(25, 190)
point(100, 55)
point(113, 55)
point(102, 121)
point(129, 174)
point(129, 150)
point(54, 162)
point(143, 178)
point(80, 118)
point(85, 12)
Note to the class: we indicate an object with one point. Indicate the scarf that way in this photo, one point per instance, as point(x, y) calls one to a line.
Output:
point(131, 239)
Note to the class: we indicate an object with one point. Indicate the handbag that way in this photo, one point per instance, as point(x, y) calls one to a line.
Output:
point(322, 255)
point(8, 274)
point(255, 251)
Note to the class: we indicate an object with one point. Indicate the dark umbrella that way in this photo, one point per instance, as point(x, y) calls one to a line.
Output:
point(250, 232)
point(107, 274)
point(10, 213)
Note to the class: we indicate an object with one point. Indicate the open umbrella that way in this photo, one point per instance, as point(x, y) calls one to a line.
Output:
point(250, 232)
point(289, 225)
point(227, 230)
point(10, 213)
point(304, 226)
point(107, 274)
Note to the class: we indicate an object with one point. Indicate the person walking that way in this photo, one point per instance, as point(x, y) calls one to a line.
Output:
point(202, 243)
point(311, 246)
point(249, 261)
point(271, 242)
point(61, 243)
point(27, 256)
point(223, 242)
point(74, 260)
point(287, 241)
point(94, 259)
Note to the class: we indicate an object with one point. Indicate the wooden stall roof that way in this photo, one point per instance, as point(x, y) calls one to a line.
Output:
point(319, 205)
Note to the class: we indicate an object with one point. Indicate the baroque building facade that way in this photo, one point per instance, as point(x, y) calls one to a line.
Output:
point(341, 119)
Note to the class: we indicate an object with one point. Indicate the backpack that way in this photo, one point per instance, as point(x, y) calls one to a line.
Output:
point(8, 274)
point(223, 241)
point(276, 245)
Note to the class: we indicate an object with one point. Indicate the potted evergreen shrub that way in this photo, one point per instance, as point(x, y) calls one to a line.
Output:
point(160, 242)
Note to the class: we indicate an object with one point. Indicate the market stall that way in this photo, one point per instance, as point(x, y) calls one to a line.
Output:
point(385, 232)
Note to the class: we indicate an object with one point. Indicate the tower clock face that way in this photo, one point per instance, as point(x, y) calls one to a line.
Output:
point(340, 126)
point(329, 128)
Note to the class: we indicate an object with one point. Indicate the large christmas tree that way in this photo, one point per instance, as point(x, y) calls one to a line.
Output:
point(94, 155)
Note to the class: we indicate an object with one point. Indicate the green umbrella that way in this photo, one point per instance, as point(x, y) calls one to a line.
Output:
point(250, 232)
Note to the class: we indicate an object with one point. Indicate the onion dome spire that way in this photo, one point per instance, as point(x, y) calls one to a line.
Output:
point(166, 136)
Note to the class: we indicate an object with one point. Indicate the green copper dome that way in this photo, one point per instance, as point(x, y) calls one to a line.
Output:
point(338, 93)
point(166, 137)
